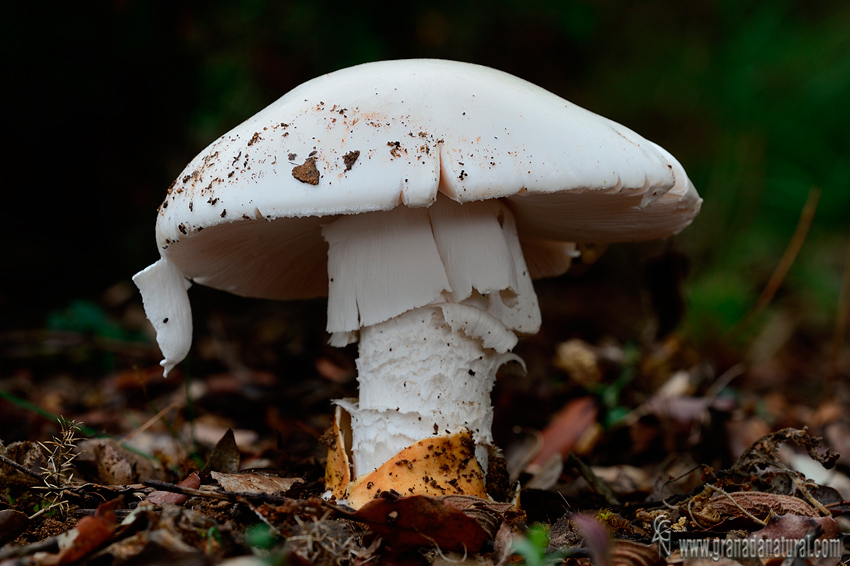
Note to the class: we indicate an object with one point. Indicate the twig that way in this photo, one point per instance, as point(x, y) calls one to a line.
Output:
point(809, 497)
point(721, 382)
point(49, 545)
point(597, 484)
point(150, 422)
point(309, 506)
point(784, 266)
point(690, 509)
point(11, 463)
point(223, 495)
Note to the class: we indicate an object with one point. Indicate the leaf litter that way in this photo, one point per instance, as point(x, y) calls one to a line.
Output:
point(599, 445)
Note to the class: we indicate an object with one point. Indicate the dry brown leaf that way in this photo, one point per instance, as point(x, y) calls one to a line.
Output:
point(466, 502)
point(524, 446)
point(419, 520)
point(115, 464)
point(578, 359)
point(766, 450)
point(502, 545)
point(26, 453)
point(255, 483)
point(837, 434)
point(796, 528)
point(597, 539)
point(630, 553)
point(332, 371)
point(193, 481)
point(760, 505)
point(91, 533)
point(491, 515)
point(435, 466)
point(225, 456)
point(566, 429)
point(12, 523)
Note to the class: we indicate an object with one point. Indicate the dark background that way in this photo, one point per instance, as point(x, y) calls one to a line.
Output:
point(105, 102)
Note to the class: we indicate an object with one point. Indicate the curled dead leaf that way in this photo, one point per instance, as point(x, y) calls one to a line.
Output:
point(418, 521)
point(630, 553)
point(12, 523)
point(89, 534)
point(805, 528)
point(255, 483)
point(193, 481)
point(760, 505)
point(566, 429)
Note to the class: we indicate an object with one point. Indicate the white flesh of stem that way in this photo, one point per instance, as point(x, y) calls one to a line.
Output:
point(435, 294)
point(419, 378)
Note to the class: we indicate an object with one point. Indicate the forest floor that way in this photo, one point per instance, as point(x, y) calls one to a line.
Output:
point(618, 451)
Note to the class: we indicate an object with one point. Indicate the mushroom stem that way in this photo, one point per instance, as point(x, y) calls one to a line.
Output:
point(423, 374)
point(435, 295)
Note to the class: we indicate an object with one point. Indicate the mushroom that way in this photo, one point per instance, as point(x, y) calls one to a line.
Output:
point(422, 197)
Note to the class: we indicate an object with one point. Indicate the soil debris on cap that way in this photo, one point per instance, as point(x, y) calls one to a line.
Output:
point(307, 172)
point(349, 159)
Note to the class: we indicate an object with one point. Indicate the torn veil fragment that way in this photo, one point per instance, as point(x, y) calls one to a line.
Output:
point(166, 301)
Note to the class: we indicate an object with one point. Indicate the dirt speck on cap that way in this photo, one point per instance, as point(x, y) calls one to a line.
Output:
point(307, 172)
point(349, 159)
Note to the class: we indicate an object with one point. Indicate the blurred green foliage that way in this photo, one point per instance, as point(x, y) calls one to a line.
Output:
point(88, 317)
point(534, 547)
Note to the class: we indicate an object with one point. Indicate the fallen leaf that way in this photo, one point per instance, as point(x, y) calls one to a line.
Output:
point(502, 545)
point(766, 449)
point(545, 475)
point(115, 464)
point(490, 515)
point(419, 520)
point(566, 429)
point(12, 523)
point(332, 371)
point(596, 538)
point(255, 483)
point(521, 451)
point(466, 502)
point(630, 553)
point(26, 453)
point(578, 359)
point(798, 528)
point(760, 505)
point(89, 534)
point(193, 481)
point(225, 456)
point(683, 409)
point(564, 533)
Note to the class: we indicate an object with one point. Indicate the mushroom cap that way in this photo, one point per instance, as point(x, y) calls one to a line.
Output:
point(245, 215)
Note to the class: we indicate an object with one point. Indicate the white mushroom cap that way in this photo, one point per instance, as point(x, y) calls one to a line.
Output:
point(246, 215)
point(420, 126)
